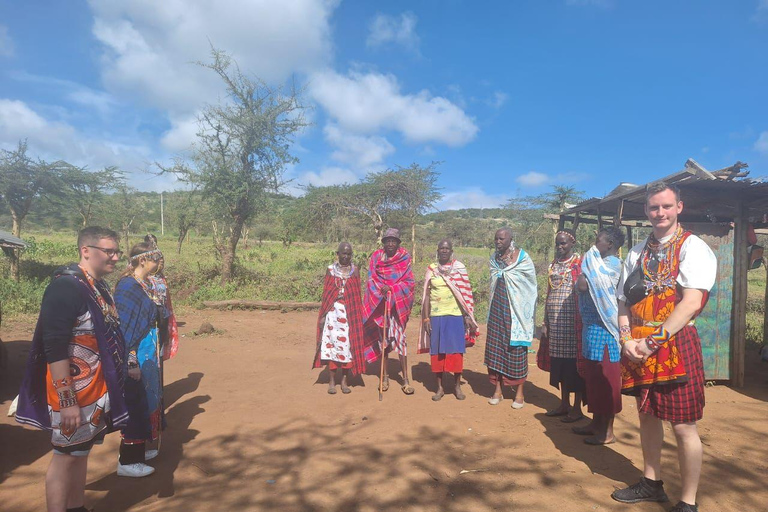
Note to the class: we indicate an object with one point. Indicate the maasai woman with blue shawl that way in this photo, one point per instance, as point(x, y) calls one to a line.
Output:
point(600, 273)
point(141, 311)
point(510, 318)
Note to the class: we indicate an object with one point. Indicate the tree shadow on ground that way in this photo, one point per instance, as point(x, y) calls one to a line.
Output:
point(755, 377)
point(19, 446)
point(124, 493)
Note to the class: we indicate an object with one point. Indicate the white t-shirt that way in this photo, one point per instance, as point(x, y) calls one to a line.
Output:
point(698, 265)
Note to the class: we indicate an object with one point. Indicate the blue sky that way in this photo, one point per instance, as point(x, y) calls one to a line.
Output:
point(512, 96)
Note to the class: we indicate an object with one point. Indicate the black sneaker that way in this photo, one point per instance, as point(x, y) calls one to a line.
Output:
point(641, 491)
point(684, 507)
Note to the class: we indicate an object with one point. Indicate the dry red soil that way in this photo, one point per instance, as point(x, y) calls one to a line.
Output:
point(251, 427)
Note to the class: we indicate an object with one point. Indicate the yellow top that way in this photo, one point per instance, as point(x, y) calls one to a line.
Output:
point(441, 299)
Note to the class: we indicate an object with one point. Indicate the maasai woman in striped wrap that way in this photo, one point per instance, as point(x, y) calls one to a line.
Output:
point(447, 316)
point(600, 272)
point(562, 327)
point(340, 343)
point(389, 275)
point(141, 312)
point(510, 318)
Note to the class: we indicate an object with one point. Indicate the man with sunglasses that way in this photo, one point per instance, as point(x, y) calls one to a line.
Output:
point(664, 285)
point(73, 385)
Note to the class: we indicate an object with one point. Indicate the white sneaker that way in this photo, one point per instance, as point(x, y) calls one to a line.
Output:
point(150, 454)
point(137, 470)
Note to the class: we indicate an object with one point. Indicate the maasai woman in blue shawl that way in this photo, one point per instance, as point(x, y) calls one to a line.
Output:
point(140, 312)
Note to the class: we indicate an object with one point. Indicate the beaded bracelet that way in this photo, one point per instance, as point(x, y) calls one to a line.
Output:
point(657, 338)
point(60, 383)
point(67, 398)
point(625, 334)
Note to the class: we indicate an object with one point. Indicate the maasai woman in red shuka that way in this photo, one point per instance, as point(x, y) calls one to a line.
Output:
point(340, 341)
point(389, 275)
point(448, 322)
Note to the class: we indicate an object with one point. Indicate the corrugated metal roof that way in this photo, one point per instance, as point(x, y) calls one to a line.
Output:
point(706, 195)
point(8, 240)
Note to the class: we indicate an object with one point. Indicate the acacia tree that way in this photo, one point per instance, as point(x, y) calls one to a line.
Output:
point(185, 209)
point(367, 201)
point(412, 190)
point(22, 182)
point(122, 208)
point(241, 151)
point(86, 190)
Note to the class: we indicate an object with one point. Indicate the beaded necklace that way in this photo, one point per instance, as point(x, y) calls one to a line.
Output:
point(658, 261)
point(107, 307)
point(149, 291)
point(341, 274)
point(445, 269)
point(561, 269)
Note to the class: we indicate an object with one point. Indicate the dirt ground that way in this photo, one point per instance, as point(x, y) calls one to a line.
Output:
point(251, 427)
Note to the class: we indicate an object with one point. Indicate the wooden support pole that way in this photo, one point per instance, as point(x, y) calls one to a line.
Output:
point(599, 219)
point(739, 303)
point(576, 221)
point(561, 223)
point(619, 214)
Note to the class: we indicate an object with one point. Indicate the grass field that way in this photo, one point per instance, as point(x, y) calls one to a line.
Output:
point(271, 271)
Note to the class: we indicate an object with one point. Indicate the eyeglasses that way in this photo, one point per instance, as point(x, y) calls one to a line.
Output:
point(111, 253)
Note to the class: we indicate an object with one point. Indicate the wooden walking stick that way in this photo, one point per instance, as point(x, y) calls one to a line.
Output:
point(383, 346)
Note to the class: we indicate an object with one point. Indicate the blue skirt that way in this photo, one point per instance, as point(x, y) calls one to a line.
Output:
point(447, 335)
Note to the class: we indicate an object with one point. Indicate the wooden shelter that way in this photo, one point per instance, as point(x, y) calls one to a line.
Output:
point(719, 206)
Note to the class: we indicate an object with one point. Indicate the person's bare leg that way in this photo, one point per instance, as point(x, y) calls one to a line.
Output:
point(457, 386)
point(76, 492)
point(689, 454)
point(609, 426)
point(564, 406)
point(651, 439)
point(576, 411)
point(440, 391)
point(404, 369)
point(498, 393)
point(331, 379)
point(344, 385)
point(58, 481)
point(520, 394)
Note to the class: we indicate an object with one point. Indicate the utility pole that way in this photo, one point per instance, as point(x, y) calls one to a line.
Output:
point(162, 216)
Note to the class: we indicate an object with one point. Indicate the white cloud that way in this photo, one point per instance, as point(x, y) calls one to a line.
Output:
point(56, 140)
point(533, 179)
point(394, 29)
point(498, 99)
point(150, 48)
point(472, 197)
point(182, 134)
point(7, 48)
point(359, 151)
point(761, 144)
point(370, 102)
point(328, 176)
point(761, 13)
point(538, 179)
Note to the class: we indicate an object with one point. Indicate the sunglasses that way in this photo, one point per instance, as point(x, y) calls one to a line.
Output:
point(111, 253)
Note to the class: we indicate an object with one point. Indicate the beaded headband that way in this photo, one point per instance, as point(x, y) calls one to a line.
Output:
point(154, 255)
point(573, 238)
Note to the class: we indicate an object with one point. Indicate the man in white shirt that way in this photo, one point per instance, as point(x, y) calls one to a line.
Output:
point(664, 285)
